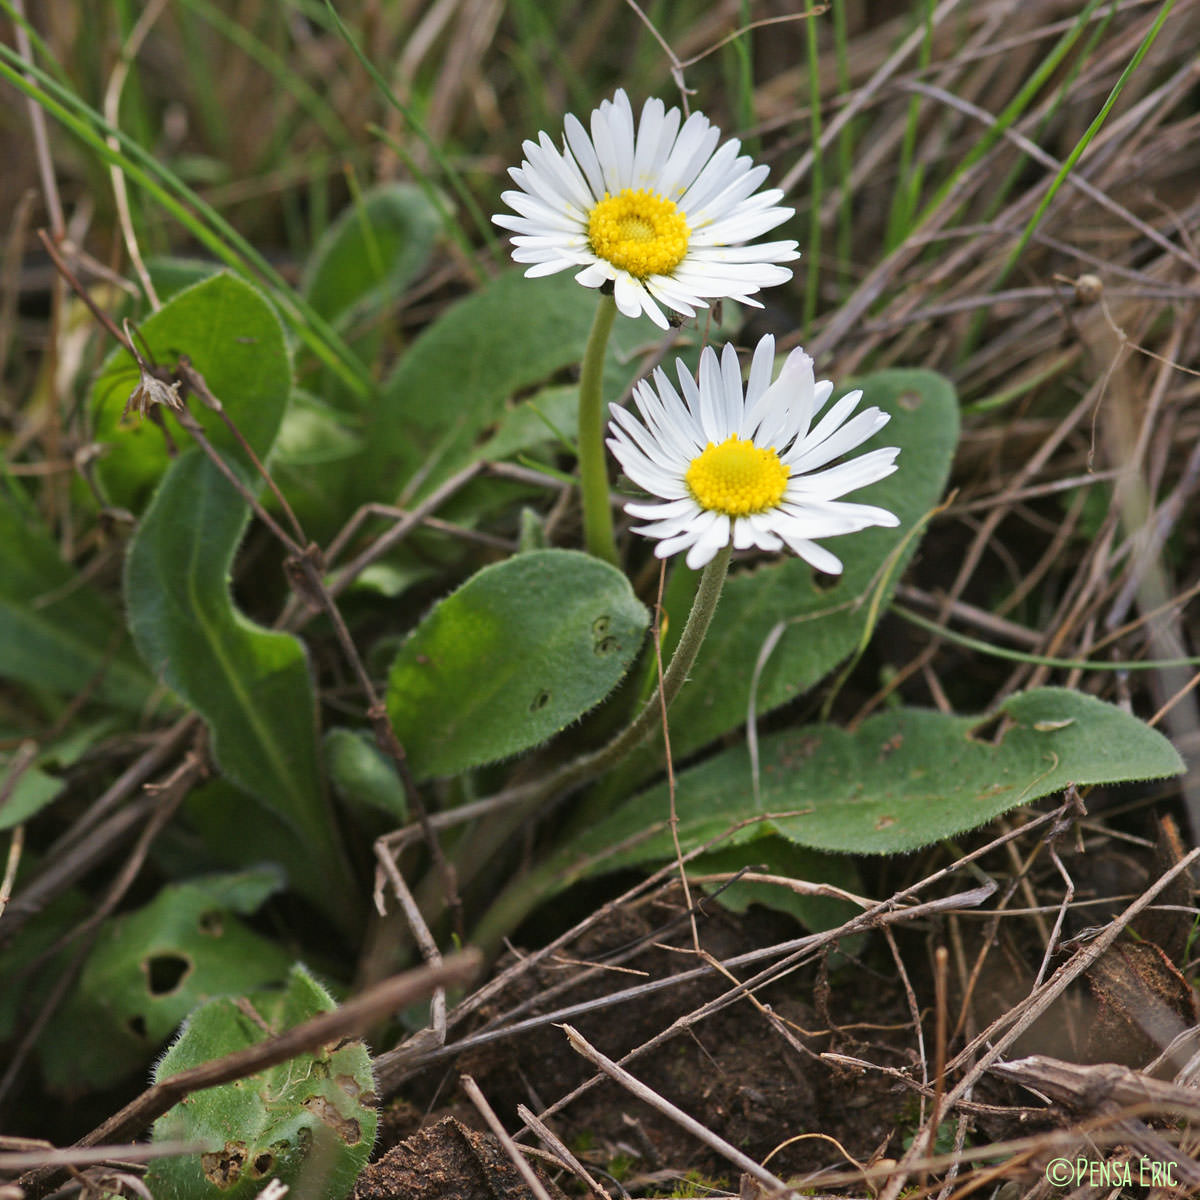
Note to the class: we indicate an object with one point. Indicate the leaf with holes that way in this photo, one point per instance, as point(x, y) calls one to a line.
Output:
point(903, 779)
point(308, 1123)
point(520, 651)
point(234, 339)
point(252, 685)
point(151, 967)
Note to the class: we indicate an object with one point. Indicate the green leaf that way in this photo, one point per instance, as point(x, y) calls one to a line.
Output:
point(452, 384)
point(820, 626)
point(371, 253)
point(34, 790)
point(785, 860)
point(149, 968)
point(361, 266)
point(313, 433)
point(235, 340)
point(250, 684)
point(171, 274)
point(548, 417)
point(903, 779)
point(309, 1122)
point(56, 630)
point(523, 648)
point(362, 775)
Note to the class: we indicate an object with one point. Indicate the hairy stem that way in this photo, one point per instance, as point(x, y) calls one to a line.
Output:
point(593, 470)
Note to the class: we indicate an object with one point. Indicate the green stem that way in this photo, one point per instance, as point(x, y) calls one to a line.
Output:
point(593, 469)
point(524, 893)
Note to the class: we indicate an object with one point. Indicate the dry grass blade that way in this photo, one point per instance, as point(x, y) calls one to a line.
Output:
point(563, 1153)
point(73, 1156)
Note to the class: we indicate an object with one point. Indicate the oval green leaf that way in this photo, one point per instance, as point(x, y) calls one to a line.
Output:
point(234, 339)
point(362, 776)
point(522, 649)
point(903, 779)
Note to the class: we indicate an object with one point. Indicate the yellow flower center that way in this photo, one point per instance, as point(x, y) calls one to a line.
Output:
point(641, 232)
point(737, 477)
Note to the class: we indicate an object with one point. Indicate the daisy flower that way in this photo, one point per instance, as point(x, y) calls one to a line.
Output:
point(659, 212)
point(749, 466)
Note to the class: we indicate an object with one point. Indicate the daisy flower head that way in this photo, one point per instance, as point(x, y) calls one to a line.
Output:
point(749, 464)
point(658, 211)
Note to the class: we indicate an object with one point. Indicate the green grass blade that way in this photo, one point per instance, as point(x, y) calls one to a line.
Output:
point(1083, 143)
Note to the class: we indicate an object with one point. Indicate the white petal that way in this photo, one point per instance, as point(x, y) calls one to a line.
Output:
point(741, 227)
point(627, 292)
point(819, 450)
point(710, 396)
point(585, 154)
point(547, 267)
point(711, 539)
point(721, 199)
point(783, 411)
point(732, 280)
point(699, 251)
point(692, 149)
point(656, 134)
point(596, 274)
point(663, 288)
point(677, 412)
point(821, 394)
point(546, 159)
point(761, 366)
point(647, 475)
point(673, 509)
point(814, 555)
point(668, 527)
point(848, 476)
point(722, 170)
point(673, 545)
point(731, 390)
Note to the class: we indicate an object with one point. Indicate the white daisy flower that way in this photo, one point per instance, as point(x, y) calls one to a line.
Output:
point(654, 211)
point(749, 466)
